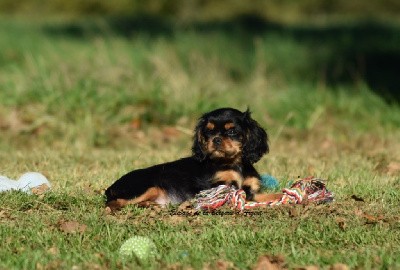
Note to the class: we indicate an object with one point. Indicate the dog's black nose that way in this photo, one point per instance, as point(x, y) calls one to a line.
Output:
point(217, 141)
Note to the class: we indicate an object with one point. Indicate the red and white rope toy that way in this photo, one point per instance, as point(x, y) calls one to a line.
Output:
point(304, 190)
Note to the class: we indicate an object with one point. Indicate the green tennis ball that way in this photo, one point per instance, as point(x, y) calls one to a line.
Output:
point(140, 247)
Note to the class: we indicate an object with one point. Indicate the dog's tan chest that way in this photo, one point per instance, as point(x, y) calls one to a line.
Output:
point(228, 177)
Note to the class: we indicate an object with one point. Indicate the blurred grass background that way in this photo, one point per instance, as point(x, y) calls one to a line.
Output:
point(283, 10)
point(104, 67)
point(84, 75)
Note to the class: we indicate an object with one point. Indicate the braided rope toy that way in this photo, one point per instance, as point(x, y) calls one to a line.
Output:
point(302, 191)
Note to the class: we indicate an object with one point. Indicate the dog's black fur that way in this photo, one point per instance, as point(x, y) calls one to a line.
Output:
point(226, 144)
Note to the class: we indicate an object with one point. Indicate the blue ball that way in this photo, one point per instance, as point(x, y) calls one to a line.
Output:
point(269, 182)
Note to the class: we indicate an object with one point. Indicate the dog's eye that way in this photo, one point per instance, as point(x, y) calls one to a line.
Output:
point(209, 132)
point(231, 132)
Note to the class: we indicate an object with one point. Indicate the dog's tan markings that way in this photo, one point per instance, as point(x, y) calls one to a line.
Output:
point(228, 177)
point(153, 195)
point(231, 146)
point(210, 126)
point(232, 150)
point(252, 182)
point(263, 197)
point(229, 125)
point(115, 205)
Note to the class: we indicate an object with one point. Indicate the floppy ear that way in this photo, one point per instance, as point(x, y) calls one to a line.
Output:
point(256, 141)
point(198, 141)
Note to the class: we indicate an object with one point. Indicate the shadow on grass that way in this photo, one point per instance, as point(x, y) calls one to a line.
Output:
point(366, 51)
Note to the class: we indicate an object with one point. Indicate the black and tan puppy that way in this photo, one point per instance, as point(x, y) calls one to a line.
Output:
point(226, 144)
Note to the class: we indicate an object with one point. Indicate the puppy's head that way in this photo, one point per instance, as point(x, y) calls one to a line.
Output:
point(229, 136)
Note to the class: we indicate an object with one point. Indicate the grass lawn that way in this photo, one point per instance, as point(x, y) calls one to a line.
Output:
point(83, 110)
